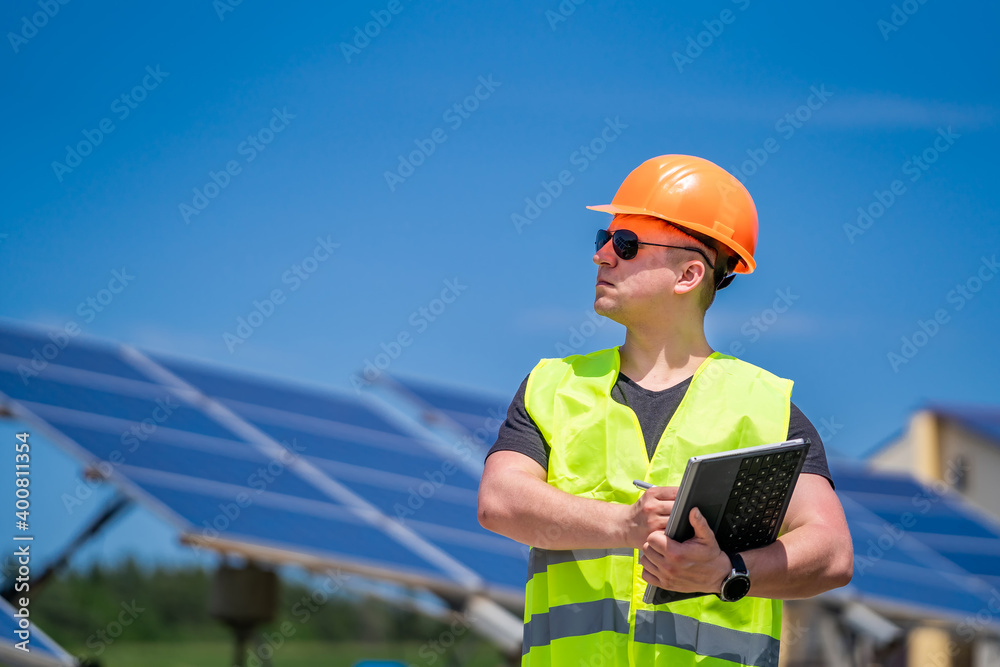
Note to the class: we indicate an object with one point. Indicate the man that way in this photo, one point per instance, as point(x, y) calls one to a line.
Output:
point(580, 429)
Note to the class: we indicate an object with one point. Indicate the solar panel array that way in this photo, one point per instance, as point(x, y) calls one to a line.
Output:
point(917, 548)
point(918, 545)
point(300, 470)
point(262, 463)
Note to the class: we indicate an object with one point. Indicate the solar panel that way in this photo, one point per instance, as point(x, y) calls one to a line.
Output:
point(353, 489)
point(321, 527)
point(403, 456)
point(35, 350)
point(479, 413)
point(452, 399)
point(915, 546)
point(245, 394)
point(47, 398)
point(249, 467)
point(43, 652)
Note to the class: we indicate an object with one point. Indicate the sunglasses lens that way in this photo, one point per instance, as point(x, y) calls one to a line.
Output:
point(626, 243)
point(603, 236)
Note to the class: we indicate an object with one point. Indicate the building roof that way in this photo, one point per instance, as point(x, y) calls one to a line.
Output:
point(982, 419)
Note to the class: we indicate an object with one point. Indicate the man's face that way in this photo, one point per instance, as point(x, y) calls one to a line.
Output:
point(646, 283)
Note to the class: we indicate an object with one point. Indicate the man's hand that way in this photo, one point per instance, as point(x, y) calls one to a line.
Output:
point(649, 514)
point(696, 565)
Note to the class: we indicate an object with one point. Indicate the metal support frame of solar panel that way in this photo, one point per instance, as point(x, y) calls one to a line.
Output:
point(224, 433)
point(42, 651)
point(943, 563)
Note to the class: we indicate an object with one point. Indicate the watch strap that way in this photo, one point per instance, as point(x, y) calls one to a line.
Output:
point(738, 564)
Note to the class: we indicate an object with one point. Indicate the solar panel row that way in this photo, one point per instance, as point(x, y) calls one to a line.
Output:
point(298, 469)
point(262, 462)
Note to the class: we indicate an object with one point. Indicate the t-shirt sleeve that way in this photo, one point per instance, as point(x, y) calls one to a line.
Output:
point(519, 433)
point(799, 426)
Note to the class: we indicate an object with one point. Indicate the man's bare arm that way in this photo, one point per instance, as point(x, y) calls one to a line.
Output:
point(515, 500)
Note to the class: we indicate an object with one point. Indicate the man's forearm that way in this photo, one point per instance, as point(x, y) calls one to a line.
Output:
point(535, 513)
point(801, 563)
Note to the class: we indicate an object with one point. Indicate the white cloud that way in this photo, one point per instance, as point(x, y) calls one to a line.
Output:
point(878, 110)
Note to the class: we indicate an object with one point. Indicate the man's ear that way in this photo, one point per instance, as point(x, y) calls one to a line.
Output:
point(689, 279)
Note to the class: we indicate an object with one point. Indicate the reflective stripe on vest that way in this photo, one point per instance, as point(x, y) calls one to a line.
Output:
point(574, 620)
point(596, 450)
point(666, 628)
point(540, 559)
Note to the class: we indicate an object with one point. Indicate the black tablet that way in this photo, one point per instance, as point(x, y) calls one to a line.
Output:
point(742, 493)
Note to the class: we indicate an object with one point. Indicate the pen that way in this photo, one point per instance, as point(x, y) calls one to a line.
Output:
point(641, 484)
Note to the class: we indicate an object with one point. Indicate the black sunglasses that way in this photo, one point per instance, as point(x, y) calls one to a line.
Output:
point(626, 245)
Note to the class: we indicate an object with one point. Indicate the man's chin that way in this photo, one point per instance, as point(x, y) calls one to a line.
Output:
point(608, 310)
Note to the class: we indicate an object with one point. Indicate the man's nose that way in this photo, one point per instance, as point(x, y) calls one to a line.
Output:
point(606, 255)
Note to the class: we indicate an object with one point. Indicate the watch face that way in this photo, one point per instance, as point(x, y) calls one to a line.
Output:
point(737, 587)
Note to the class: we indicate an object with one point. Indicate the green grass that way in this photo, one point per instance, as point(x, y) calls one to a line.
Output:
point(296, 654)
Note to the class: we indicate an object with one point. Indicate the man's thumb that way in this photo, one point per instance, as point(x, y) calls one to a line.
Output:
point(699, 523)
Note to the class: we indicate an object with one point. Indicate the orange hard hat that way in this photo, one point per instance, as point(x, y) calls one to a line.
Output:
point(694, 194)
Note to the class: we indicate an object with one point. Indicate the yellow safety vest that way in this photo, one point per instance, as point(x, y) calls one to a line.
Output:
point(584, 607)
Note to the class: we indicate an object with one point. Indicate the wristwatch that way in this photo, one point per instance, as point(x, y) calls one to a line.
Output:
point(737, 583)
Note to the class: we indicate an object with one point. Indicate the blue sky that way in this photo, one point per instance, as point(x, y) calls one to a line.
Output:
point(729, 81)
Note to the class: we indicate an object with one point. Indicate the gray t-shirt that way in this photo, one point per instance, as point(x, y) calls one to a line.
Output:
point(519, 433)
